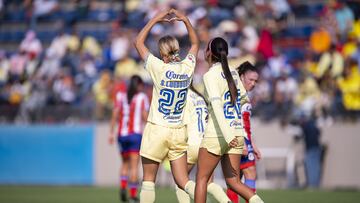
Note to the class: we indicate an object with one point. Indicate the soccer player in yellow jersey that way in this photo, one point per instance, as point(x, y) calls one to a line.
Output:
point(165, 131)
point(224, 135)
point(196, 119)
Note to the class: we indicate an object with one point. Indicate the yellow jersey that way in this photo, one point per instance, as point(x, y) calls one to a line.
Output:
point(196, 117)
point(171, 82)
point(224, 117)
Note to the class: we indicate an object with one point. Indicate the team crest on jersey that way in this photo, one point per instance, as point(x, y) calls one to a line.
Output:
point(251, 156)
point(191, 58)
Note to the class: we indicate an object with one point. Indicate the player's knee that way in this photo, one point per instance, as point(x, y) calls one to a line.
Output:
point(231, 182)
point(250, 173)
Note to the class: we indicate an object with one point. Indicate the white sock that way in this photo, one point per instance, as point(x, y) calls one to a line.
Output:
point(190, 188)
point(147, 193)
point(255, 199)
point(218, 193)
point(181, 195)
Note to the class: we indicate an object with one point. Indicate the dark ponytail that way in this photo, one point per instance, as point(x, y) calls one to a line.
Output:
point(219, 50)
point(246, 66)
point(135, 81)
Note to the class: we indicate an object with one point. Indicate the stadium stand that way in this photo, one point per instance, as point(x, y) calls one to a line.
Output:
point(80, 40)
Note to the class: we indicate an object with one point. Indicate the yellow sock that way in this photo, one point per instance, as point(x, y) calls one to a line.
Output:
point(255, 199)
point(147, 193)
point(190, 188)
point(218, 193)
point(181, 195)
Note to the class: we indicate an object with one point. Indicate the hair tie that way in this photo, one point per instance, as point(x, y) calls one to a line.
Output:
point(174, 56)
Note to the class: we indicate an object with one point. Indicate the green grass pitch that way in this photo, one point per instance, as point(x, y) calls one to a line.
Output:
point(54, 194)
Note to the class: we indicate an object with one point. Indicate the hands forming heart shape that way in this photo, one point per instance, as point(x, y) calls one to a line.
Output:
point(170, 16)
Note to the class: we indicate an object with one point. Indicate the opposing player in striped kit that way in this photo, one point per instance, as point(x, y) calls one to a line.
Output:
point(130, 111)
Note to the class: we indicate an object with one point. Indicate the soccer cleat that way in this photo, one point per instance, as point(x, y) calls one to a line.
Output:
point(123, 195)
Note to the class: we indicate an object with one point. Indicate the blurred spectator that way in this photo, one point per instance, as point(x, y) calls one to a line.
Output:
point(356, 29)
point(31, 108)
point(350, 46)
point(31, 45)
point(119, 45)
point(349, 85)
point(251, 39)
point(280, 8)
point(277, 64)
point(344, 17)
point(311, 134)
point(102, 95)
point(126, 68)
point(91, 46)
point(285, 91)
point(17, 65)
point(356, 55)
point(4, 68)
point(78, 10)
point(64, 89)
point(329, 22)
point(331, 61)
point(265, 46)
point(42, 9)
point(320, 40)
point(308, 96)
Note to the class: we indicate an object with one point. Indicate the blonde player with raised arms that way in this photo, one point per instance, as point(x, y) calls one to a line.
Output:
point(224, 135)
point(165, 131)
point(196, 116)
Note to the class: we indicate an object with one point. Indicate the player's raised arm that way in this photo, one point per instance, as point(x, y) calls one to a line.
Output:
point(141, 37)
point(194, 40)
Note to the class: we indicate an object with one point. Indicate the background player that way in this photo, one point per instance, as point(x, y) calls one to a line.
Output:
point(165, 132)
point(224, 134)
point(249, 77)
point(196, 116)
point(130, 111)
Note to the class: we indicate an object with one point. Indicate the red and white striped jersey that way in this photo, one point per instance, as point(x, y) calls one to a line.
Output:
point(139, 103)
point(130, 118)
point(121, 102)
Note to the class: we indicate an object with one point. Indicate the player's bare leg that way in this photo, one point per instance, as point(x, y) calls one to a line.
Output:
point(179, 170)
point(150, 168)
point(206, 165)
point(133, 176)
point(124, 178)
point(230, 165)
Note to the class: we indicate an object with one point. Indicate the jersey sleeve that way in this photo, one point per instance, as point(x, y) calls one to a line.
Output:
point(153, 65)
point(214, 94)
point(118, 99)
point(246, 113)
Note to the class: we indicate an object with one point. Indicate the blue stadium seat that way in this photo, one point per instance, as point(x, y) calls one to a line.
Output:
point(102, 15)
point(100, 35)
point(297, 32)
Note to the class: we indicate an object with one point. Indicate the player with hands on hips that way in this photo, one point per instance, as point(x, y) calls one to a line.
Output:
point(249, 76)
